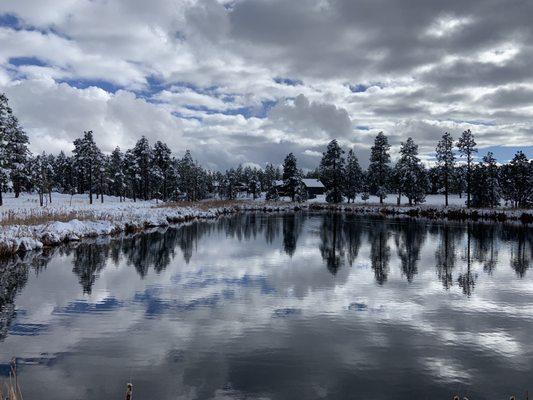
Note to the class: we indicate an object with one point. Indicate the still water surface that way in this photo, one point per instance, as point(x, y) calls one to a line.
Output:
point(279, 306)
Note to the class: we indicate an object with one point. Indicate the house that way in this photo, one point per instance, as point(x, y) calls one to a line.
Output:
point(313, 186)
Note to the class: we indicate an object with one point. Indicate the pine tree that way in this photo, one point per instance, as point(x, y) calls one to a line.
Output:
point(332, 172)
point(102, 162)
point(467, 148)
point(143, 158)
point(17, 151)
point(116, 173)
point(516, 181)
point(63, 179)
point(187, 176)
point(86, 156)
point(5, 167)
point(379, 169)
point(412, 178)
point(485, 183)
point(163, 164)
point(41, 175)
point(131, 174)
point(353, 177)
point(446, 162)
point(292, 180)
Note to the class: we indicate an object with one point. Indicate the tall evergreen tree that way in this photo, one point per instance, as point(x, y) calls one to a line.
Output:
point(116, 173)
point(379, 169)
point(353, 177)
point(332, 172)
point(292, 179)
point(446, 162)
point(131, 174)
point(467, 148)
point(86, 156)
point(485, 183)
point(5, 167)
point(18, 153)
point(411, 174)
point(143, 157)
point(163, 164)
point(517, 177)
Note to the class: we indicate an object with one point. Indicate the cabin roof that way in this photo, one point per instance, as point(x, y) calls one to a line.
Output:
point(310, 183)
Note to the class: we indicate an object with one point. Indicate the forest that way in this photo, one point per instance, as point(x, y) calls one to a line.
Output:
point(153, 172)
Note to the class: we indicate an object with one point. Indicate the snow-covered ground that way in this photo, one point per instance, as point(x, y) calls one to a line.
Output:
point(431, 200)
point(24, 225)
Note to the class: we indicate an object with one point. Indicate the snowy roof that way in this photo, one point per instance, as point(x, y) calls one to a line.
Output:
point(312, 183)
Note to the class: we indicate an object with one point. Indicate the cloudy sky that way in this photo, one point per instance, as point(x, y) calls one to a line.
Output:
point(247, 81)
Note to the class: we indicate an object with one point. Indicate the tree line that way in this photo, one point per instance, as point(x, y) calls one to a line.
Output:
point(152, 172)
point(485, 182)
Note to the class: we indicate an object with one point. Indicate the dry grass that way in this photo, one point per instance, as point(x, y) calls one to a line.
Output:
point(202, 205)
point(39, 216)
point(10, 390)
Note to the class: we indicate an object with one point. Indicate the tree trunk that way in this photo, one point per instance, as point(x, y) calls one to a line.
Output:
point(446, 189)
point(1, 199)
point(16, 188)
point(90, 188)
point(102, 188)
point(468, 185)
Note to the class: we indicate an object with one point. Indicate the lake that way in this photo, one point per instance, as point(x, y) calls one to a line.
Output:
point(276, 306)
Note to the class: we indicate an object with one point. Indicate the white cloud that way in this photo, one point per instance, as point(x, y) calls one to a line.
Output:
point(293, 65)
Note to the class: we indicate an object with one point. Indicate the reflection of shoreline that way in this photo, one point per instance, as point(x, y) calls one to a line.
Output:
point(22, 238)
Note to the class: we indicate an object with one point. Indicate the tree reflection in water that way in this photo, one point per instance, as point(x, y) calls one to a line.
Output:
point(341, 236)
point(380, 250)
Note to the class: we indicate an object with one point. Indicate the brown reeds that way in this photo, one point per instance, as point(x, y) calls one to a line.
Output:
point(10, 390)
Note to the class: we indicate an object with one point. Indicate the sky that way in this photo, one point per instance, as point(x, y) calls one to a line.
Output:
point(248, 81)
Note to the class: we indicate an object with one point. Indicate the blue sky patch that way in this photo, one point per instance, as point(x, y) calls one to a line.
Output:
point(86, 83)
point(288, 81)
point(18, 61)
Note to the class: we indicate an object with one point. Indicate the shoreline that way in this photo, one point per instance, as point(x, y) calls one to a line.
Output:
point(20, 238)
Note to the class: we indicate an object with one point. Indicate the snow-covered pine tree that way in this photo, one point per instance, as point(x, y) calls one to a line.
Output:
point(187, 176)
point(516, 178)
point(5, 167)
point(117, 176)
point(132, 176)
point(379, 168)
point(86, 155)
point(353, 177)
point(163, 168)
point(485, 183)
point(254, 186)
point(102, 161)
point(411, 174)
point(18, 153)
point(467, 148)
point(270, 175)
point(332, 172)
point(143, 157)
point(50, 161)
point(63, 179)
point(446, 162)
point(41, 176)
point(292, 180)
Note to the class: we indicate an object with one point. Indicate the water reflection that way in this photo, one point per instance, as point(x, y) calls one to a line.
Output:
point(247, 306)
